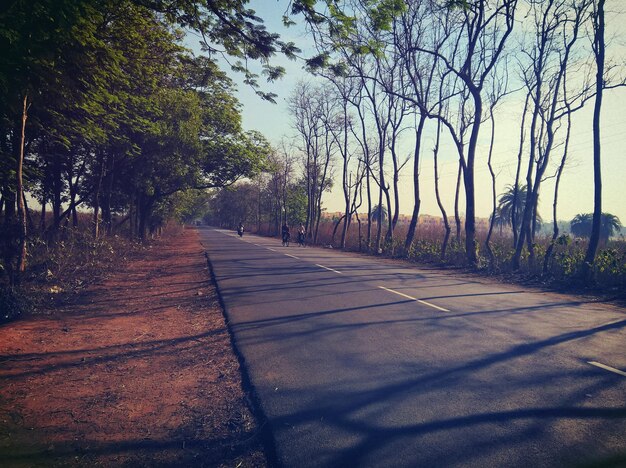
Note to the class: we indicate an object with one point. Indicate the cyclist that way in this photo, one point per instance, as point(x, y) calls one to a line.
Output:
point(286, 235)
point(301, 235)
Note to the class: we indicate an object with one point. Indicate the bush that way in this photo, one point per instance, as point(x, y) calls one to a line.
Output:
point(13, 304)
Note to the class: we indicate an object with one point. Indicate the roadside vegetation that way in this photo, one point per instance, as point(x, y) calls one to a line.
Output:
point(556, 263)
point(106, 114)
point(110, 127)
point(438, 75)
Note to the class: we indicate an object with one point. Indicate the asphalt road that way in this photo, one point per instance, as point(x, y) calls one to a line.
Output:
point(359, 361)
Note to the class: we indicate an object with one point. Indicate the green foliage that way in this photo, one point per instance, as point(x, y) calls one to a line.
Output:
point(610, 261)
point(120, 108)
point(185, 206)
point(296, 203)
point(458, 4)
point(317, 62)
point(383, 12)
point(231, 25)
point(582, 223)
point(564, 240)
point(510, 204)
point(13, 304)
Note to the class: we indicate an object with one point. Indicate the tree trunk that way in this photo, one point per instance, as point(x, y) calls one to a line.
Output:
point(346, 182)
point(381, 184)
point(514, 219)
point(107, 194)
point(57, 189)
point(492, 258)
point(96, 201)
point(555, 225)
point(444, 215)
point(389, 233)
point(42, 215)
point(396, 194)
point(21, 209)
point(144, 211)
point(332, 240)
point(468, 179)
point(599, 52)
point(457, 217)
point(416, 184)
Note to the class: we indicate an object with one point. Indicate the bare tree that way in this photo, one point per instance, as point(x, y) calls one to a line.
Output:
point(420, 68)
point(367, 160)
point(312, 111)
point(478, 34)
point(550, 52)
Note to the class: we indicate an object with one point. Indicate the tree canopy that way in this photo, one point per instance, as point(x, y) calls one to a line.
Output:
point(117, 114)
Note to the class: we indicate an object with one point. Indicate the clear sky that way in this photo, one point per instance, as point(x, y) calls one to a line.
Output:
point(576, 190)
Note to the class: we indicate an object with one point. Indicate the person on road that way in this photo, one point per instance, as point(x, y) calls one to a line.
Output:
point(286, 234)
point(240, 229)
point(301, 235)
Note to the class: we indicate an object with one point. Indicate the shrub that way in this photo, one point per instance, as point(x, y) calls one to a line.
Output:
point(13, 304)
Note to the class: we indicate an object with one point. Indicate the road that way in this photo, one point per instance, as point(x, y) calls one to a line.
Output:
point(361, 361)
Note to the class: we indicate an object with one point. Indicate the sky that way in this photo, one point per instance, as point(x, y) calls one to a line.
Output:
point(576, 188)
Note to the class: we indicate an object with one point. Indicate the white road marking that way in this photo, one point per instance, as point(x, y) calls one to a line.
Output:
point(329, 269)
point(414, 299)
point(257, 245)
point(398, 293)
point(269, 248)
point(293, 256)
point(608, 368)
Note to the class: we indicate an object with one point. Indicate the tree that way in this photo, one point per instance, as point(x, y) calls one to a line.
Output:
point(511, 206)
point(582, 226)
point(233, 30)
point(40, 42)
point(599, 53)
point(477, 36)
point(379, 214)
point(550, 53)
point(314, 111)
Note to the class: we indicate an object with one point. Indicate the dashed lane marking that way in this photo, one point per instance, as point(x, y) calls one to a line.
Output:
point(293, 256)
point(608, 368)
point(329, 269)
point(414, 299)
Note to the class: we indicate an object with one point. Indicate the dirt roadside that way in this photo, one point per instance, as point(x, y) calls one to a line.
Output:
point(139, 371)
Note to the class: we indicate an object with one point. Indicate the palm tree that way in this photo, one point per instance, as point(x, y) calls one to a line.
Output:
point(374, 214)
point(509, 206)
point(508, 203)
point(581, 226)
point(500, 220)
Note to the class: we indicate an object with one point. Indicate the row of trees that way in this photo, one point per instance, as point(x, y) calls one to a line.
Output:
point(102, 107)
point(392, 67)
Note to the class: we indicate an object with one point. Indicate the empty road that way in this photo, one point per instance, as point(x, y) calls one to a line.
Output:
point(359, 361)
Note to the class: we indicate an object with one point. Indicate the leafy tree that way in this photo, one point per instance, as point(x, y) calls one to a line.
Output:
point(46, 47)
point(230, 28)
point(582, 224)
point(512, 206)
point(232, 205)
point(297, 202)
point(376, 213)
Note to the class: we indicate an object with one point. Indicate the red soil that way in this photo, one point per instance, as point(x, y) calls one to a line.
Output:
point(139, 371)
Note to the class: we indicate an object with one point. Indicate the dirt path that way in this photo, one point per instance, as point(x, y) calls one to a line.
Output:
point(139, 372)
